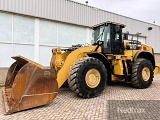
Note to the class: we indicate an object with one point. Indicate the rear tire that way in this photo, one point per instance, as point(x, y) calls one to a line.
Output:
point(87, 77)
point(142, 74)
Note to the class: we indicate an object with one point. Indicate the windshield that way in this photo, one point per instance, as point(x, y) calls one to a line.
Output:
point(100, 34)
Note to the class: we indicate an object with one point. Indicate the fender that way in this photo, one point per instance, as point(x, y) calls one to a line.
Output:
point(146, 55)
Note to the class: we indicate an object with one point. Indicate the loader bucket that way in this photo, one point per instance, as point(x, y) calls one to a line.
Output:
point(28, 84)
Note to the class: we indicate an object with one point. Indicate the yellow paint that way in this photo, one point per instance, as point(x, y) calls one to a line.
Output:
point(117, 77)
point(130, 54)
point(118, 66)
point(92, 78)
point(70, 59)
point(147, 48)
point(57, 60)
point(157, 68)
point(62, 61)
point(110, 56)
point(114, 78)
point(146, 73)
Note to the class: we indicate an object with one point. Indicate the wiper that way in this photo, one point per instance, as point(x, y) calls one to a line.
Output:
point(100, 34)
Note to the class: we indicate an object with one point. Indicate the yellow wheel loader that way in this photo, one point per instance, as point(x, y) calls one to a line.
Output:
point(87, 69)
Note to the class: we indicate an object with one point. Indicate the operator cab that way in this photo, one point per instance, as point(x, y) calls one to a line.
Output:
point(108, 35)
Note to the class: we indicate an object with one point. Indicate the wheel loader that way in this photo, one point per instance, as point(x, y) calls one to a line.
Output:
point(86, 68)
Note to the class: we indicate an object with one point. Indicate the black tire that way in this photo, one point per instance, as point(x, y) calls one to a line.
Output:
point(77, 81)
point(137, 79)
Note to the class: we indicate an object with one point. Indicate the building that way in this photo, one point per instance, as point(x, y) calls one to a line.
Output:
point(33, 27)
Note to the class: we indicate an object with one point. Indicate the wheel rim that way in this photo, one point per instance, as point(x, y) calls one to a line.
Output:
point(145, 73)
point(93, 78)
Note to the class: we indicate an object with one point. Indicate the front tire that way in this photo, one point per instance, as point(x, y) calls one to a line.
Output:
point(87, 77)
point(142, 73)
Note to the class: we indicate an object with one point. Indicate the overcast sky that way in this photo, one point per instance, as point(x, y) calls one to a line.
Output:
point(145, 10)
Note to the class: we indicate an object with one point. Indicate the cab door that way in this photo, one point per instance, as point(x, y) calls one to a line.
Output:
point(116, 39)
